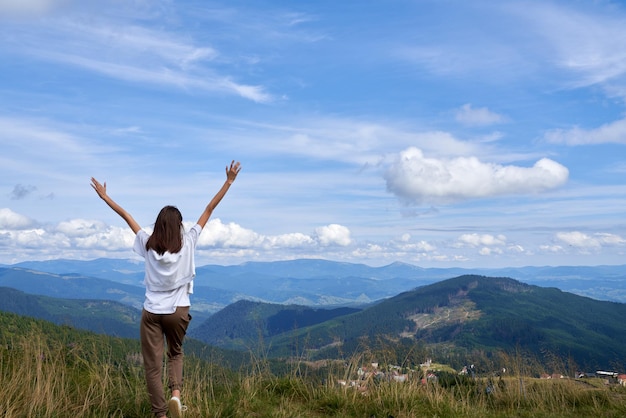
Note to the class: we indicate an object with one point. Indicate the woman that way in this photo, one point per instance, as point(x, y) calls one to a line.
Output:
point(170, 270)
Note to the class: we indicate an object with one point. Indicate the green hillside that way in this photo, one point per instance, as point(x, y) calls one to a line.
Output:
point(100, 316)
point(471, 313)
point(246, 323)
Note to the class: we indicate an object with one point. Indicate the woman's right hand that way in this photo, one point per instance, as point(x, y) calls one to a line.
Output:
point(231, 172)
point(101, 189)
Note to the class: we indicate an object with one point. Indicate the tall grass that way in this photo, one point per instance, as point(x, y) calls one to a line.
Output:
point(44, 379)
point(40, 379)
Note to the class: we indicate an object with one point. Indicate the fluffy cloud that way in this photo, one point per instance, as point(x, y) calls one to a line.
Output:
point(402, 248)
point(417, 247)
point(218, 234)
point(10, 220)
point(488, 244)
point(581, 240)
point(80, 227)
point(614, 132)
point(83, 238)
point(333, 234)
point(23, 239)
point(93, 235)
point(551, 248)
point(489, 251)
point(477, 117)
point(293, 240)
point(475, 240)
point(415, 178)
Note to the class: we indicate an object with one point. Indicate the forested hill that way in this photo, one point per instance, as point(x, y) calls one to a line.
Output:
point(100, 316)
point(470, 312)
point(245, 323)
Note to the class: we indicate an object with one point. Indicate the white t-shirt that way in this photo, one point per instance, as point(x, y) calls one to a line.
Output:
point(169, 277)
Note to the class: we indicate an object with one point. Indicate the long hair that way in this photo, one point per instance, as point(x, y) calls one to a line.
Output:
point(167, 234)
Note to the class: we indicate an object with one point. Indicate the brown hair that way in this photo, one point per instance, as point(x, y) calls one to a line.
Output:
point(167, 234)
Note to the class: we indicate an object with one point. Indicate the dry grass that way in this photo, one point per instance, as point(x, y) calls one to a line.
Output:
point(41, 380)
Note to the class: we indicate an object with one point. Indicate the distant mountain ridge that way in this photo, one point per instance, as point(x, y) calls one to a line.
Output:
point(315, 282)
point(71, 286)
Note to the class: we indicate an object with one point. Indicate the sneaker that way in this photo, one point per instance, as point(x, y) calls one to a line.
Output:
point(175, 407)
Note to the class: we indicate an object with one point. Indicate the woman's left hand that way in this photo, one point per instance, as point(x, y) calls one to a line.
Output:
point(101, 189)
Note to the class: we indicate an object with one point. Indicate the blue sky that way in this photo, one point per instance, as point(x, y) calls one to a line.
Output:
point(437, 133)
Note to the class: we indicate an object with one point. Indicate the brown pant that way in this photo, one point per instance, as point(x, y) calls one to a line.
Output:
point(152, 330)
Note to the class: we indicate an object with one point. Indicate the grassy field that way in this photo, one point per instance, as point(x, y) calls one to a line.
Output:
point(40, 379)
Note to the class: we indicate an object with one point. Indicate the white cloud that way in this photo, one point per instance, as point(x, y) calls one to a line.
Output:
point(488, 244)
point(475, 240)
point(133, 53)
point(614, 132)
point(551, 248)
point(31, 238)
point(254, 93)
point(174, 65)
point(610, 239)
point(477, 116)
point(415, 178)
point(333, 234)
point(395, 250)
point(594, 55)
point(136, 44)
point(405, 245)
point(10, 220)
point(21, 240)
point(534, 38)
point(585, 241)
point(111, 239)
point(79, 234)
point(577, 239)
point(83, 238)
point(489, 251)
point(80, 227)
point(218, 234)
point(292, 240)
point(162, 75)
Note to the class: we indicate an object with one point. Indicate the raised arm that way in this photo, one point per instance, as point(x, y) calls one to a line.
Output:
point(231, 175)
point(101, 189)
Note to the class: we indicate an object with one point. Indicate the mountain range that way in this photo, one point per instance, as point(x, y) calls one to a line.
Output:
point(327, 309)
point(309, 282)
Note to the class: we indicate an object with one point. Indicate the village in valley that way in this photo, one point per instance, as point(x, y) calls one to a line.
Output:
point(429, 372)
